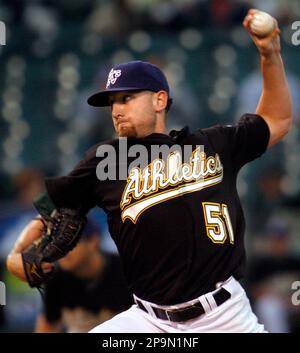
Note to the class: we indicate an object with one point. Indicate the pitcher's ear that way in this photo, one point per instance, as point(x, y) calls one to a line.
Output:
point(160, 100)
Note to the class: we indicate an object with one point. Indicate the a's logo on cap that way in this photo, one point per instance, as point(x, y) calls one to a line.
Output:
point(113, 76)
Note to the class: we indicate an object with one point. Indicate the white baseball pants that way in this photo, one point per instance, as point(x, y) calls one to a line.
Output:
point(234, 315)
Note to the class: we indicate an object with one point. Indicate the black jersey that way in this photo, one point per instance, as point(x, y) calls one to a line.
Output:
point(179, 230)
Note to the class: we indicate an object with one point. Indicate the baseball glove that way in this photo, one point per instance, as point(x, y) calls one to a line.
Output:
point(61, 233)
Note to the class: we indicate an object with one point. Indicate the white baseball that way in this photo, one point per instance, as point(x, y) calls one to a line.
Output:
point(262, 24)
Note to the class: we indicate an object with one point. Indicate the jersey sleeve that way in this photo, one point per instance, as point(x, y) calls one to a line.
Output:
point(245, 141)
point(75, 190)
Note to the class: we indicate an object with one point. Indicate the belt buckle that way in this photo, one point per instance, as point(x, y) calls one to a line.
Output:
point(167, 314)
point(219, 284)
point(175, 312)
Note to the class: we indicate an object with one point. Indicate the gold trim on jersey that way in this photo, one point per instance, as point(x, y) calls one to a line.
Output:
point(142, 188)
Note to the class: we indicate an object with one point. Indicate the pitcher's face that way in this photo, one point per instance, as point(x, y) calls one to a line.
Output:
point(133, 113)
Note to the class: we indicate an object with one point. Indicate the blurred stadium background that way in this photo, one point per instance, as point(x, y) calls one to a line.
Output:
point(58, 52)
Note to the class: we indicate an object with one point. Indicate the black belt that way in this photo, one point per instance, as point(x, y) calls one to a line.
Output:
point(187, 313)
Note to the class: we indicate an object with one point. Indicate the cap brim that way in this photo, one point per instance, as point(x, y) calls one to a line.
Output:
point(100, 99)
